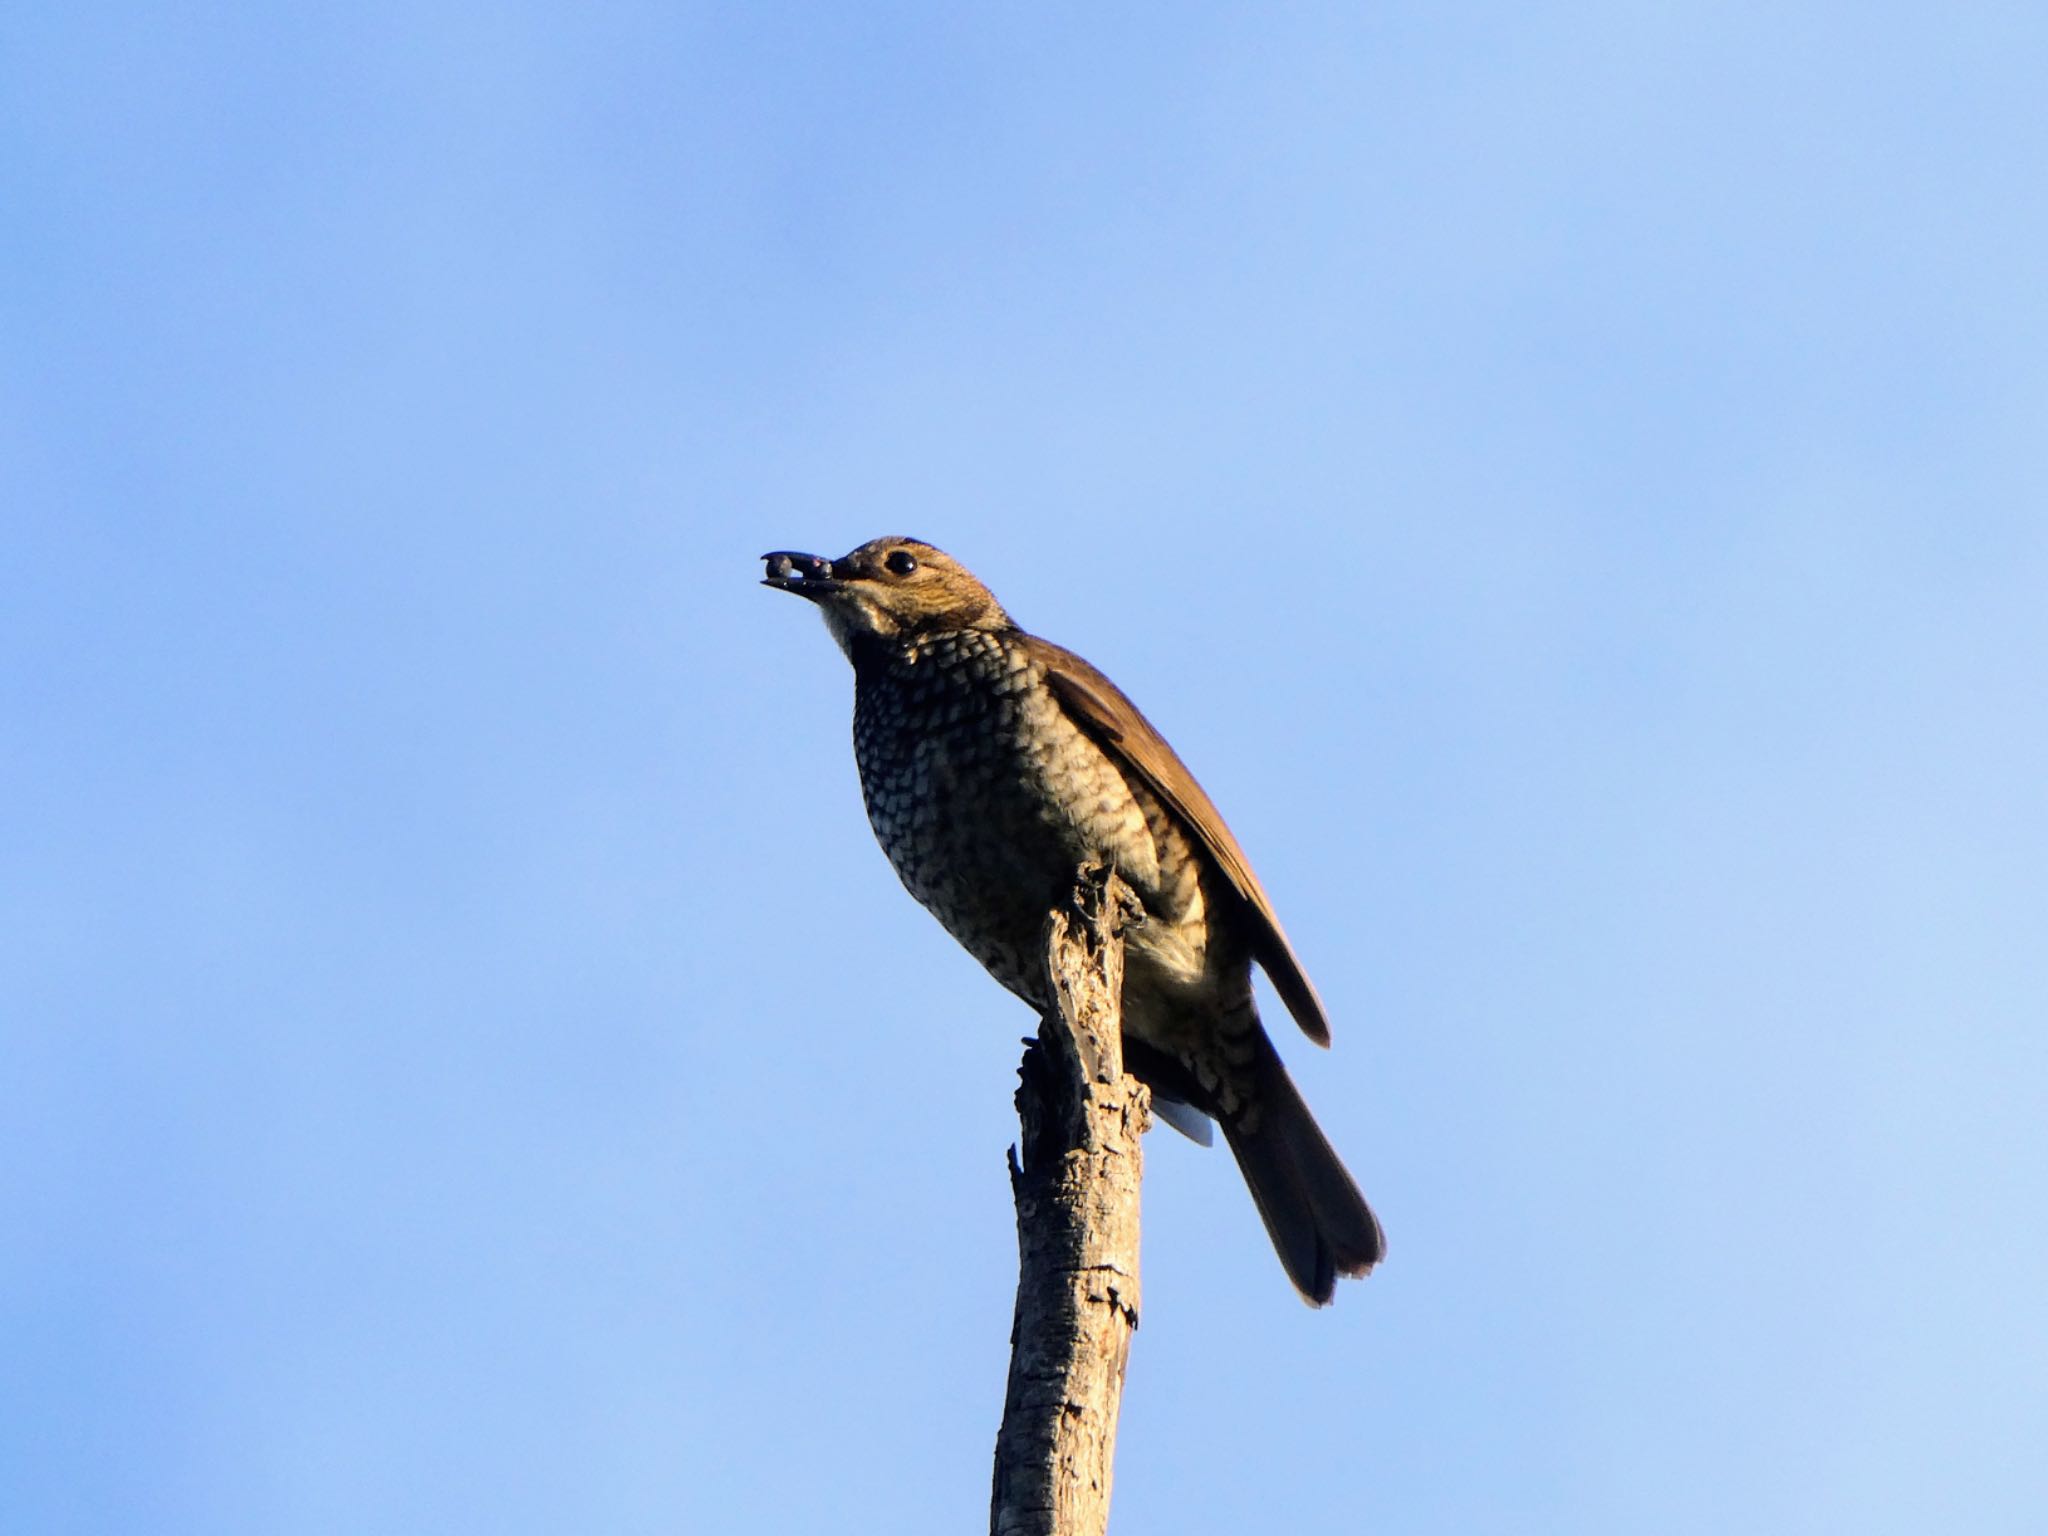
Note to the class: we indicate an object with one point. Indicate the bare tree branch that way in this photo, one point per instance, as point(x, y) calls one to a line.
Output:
point(1075, 1181)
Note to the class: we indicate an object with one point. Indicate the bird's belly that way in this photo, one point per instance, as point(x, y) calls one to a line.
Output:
point(986, 828)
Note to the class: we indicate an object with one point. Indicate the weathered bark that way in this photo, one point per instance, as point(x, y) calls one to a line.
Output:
point(1075, 1180)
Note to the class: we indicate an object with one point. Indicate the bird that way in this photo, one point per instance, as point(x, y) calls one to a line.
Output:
point(993, 765)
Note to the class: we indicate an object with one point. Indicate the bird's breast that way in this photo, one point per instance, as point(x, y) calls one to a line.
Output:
point(986, 796)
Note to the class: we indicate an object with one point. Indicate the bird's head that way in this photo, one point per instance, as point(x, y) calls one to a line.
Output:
point(891, 591)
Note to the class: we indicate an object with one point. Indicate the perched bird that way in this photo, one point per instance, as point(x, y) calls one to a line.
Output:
point(994, 764)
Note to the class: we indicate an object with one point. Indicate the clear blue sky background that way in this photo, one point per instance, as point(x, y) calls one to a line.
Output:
point(1573, 480)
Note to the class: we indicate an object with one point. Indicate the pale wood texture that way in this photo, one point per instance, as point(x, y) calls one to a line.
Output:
point(1075, 1177)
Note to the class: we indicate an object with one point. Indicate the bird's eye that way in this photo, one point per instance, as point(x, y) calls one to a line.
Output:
point(901, 562)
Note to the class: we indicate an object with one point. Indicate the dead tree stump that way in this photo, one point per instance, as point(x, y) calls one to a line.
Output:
point(1075, 1177)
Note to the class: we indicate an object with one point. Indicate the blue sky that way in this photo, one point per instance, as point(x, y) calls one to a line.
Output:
point(1573, 482)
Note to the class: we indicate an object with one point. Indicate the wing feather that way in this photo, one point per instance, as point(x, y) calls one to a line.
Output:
point(1101, 708)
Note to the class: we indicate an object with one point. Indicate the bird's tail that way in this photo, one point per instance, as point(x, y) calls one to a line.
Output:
point(1319, 1222)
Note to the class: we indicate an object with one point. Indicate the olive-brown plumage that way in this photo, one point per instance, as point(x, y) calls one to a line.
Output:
point(994, 764)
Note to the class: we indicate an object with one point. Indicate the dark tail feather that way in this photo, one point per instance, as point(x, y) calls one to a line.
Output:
point(1319, 1222)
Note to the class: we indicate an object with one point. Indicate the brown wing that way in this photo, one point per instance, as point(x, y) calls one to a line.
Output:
point(1101, 709)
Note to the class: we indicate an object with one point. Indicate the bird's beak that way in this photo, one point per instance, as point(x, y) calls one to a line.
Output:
point(806, 575)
